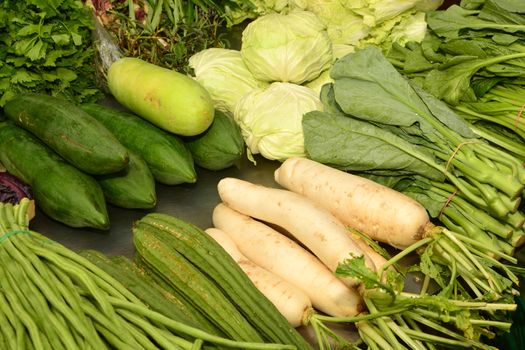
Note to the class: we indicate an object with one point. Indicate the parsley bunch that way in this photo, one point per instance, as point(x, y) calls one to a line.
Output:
point(45, 46)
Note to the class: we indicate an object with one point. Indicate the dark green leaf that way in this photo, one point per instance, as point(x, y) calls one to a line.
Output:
point(347, 143)
point(454, 20)
point(366, 74)
point(503, 12)
point(481, 86)
point(444, 114)
point(504, 39)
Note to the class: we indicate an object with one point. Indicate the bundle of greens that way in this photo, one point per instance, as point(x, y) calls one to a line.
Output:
point(398, 319)
point(497, 116)
point(45, 46)
point(377, 122)
point(473, 57)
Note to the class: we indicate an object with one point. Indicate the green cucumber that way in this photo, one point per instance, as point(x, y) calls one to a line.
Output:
point(69, 131)
point(220, 146)
point(203, 252)
point(191, 282)
point(166, 154)
point(62, 191)
point(132, 188)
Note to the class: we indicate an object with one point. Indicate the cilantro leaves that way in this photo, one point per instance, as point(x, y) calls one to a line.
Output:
point(45, 46)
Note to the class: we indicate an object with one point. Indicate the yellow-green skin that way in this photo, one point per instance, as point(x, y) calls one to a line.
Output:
point(170, 100)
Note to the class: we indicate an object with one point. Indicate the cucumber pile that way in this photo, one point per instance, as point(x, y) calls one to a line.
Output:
point(78, 158)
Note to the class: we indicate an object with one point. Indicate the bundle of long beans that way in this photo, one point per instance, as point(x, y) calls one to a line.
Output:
point(53, 298)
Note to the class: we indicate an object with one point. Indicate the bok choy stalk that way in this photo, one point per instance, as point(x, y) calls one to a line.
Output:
point(375, 121)
point(444, 203)
point(498, 116)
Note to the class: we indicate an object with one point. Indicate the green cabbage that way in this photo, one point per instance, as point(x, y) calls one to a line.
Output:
point(363, 22)
point(270, 119)
point(343, 25)
point(290, 47)
point(223, 73)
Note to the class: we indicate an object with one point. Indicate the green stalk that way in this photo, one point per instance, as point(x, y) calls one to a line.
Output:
point(383, 326)
point(361, 317)
point(193, 332)
point(505, 326)
point(373, 336)
point(467, 254)
point(481, 247)
point(405, 252)
point(414, 345)
point(402, 323)
point(465, 270)
point(460, 341)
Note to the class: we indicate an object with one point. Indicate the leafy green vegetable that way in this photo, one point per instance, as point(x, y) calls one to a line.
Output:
point(405, 131)
point(45, 46)
point(397, 318)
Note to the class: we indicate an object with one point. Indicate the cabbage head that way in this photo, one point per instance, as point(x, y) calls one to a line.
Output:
point(271, 119)
point(223, 73)
point(291, 48)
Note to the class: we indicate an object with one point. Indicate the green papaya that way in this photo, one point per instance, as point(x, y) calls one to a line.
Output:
point(219, 146)
point(61, 191)
point(132, 188)
point(69, 131)
point(166, 154)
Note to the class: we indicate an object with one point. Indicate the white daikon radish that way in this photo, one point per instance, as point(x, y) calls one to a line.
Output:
point(380, 212)
point(321, 232)
point(291, 301)
point(280, 255)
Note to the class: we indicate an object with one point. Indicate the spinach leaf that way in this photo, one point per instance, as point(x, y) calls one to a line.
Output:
point(452, 22)
point(452, 84)
point(442, 112)
point(366, 75)
point(503, 11)
point(356, 145)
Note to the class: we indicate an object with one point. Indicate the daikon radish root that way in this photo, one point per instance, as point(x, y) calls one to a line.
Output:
point(321, 232)
point(285, 258)
point(378, 211)
point(291, 301)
